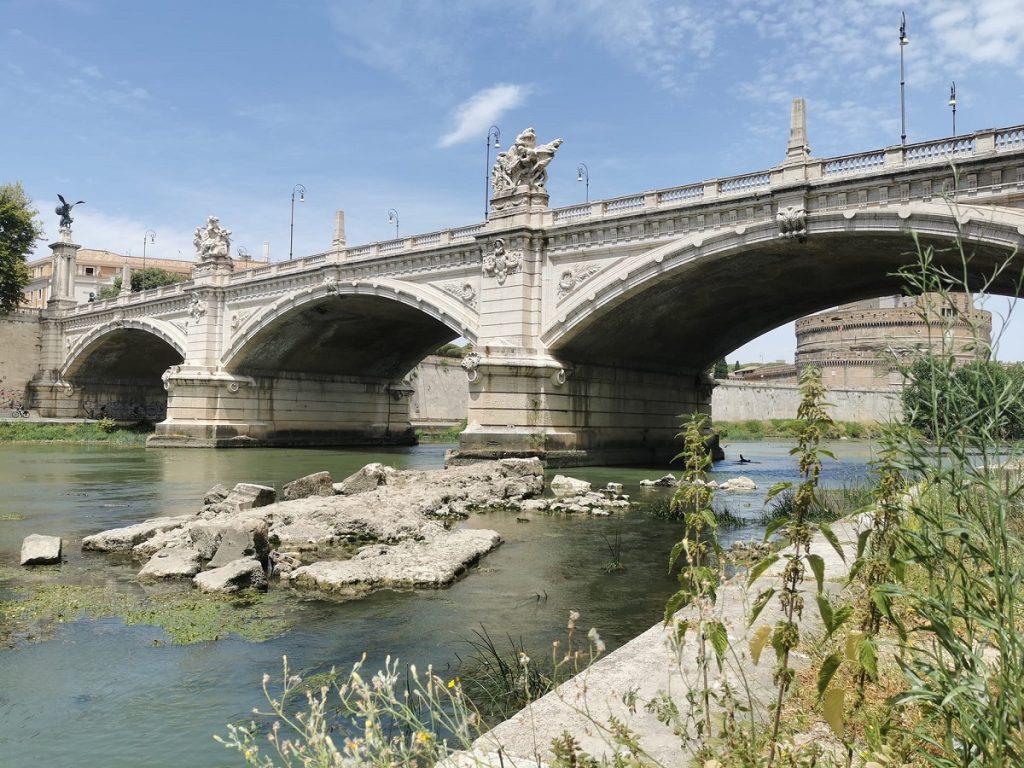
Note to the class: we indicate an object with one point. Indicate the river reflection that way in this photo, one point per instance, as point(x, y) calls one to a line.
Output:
point(100, 693)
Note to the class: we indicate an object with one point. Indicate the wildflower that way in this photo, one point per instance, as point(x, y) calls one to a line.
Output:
point(574, 616)
point(523, 658)
point(595, 640)
point(423, 737)
point(453, 682)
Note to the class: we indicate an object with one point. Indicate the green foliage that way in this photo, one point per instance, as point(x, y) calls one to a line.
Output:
point(721, 369)
point(788, 429)
point(449, 435)
point(451, 349)
point(142, 280)
point(19, 231)
point(982, 397)
point(17, 431)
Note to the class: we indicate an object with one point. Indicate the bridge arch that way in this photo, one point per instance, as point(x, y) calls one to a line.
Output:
point(115, 370)
point(379, 328)
point(684, 304)
point(166, 340)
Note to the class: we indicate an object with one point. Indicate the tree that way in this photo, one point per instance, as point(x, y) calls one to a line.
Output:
point(721, 369)
point(19, 231)
point(143, 279)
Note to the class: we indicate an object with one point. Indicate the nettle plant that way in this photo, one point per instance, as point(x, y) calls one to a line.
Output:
point(795, 551)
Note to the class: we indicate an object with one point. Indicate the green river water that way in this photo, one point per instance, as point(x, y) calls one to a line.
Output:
point(102, 693)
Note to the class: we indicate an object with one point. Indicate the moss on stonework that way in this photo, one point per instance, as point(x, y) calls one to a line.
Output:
point(34, 609)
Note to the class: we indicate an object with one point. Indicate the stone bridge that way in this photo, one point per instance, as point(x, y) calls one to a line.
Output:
point(592, 325)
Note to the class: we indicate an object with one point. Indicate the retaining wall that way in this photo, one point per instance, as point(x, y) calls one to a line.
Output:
point(19, 353)
point(737, 401)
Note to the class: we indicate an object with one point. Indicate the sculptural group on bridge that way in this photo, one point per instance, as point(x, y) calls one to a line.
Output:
point(524, 164)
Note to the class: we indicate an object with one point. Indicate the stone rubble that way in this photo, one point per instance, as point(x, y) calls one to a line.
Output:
point(37, 549)
point(399, 523)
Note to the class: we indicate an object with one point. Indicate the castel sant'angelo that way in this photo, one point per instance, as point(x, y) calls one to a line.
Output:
point(863, 344)
point(866, 343)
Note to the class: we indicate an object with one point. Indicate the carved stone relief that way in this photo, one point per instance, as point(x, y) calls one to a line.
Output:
point(238, 319)
point(470, 363)
point(501, 263)
point(574, 276)
point(792, 223)
point(196, 308)
point(463, 291)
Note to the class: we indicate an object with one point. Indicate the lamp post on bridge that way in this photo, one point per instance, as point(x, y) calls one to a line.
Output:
point(492, 133)
point(291, 232)
point(151, 236)
point(952, 103)
point(583, 174)
point(903, 103)
point(393, 219)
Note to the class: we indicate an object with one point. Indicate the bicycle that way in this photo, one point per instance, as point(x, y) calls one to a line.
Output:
point(18, 412)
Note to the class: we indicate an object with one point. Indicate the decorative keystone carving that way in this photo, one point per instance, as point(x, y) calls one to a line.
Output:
point(464, 292)
point(196, 308)
point(470, 363)
point(118, 319)
point(574, 276)
point(331, 284)
point(501, 263)
point(793, 223)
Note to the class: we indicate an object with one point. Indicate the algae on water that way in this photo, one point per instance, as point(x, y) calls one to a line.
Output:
point(185, 615)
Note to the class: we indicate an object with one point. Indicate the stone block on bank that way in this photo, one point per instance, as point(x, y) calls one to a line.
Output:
point(242, 537)
point(40, 550)
point(563, 486)
point(667, 481)
point(738, 484)
point(216, 495)
point(123, 539)
point(369, 478)
point(317, 484)
point(171, 563)
point(243, 573)
point(249, 496)
point(429, 563)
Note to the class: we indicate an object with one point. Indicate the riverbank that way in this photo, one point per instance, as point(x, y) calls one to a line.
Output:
point(787, 429)
point(36, 431)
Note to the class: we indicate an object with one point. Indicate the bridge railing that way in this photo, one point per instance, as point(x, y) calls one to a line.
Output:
point(694, 194)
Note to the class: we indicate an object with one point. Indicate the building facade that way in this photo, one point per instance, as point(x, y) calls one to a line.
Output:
point(865, 343)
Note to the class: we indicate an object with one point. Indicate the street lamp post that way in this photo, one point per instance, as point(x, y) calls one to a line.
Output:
point(903, 103)
point(393, 219)
point(952, 104)
point(492, 133)
point(151, 236)
point(291, 232)
point(583, 174)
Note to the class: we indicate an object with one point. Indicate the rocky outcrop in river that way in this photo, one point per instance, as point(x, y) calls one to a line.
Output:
point(379, 528)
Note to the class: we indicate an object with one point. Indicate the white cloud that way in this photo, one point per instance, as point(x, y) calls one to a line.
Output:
point(473, 116)
point(983, 31)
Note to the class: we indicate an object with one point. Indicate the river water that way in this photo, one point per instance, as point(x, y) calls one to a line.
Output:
point(102, 693)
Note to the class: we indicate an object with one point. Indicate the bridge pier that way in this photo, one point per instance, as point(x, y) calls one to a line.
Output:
point(218, 409)
point(574, 415)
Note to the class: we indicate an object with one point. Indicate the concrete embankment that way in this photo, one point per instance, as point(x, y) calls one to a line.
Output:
point(648, 667)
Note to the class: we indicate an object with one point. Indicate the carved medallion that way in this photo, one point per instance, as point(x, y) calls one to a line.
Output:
point(331, 284)
point(501, 263)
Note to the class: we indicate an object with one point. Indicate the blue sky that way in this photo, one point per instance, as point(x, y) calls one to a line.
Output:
point(162, 112)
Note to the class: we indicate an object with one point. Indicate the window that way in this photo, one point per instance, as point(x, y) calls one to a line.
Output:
point(90, 270)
